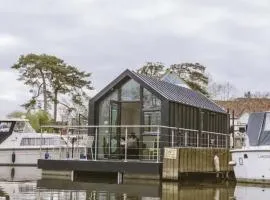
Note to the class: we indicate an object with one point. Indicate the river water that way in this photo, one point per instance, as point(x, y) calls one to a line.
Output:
point(26, 183)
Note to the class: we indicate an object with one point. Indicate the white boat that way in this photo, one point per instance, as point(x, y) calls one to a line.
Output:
point(251, 163)
point(21, 145)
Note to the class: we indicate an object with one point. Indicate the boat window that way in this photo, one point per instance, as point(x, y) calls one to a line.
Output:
point(44, 141)
point(23, 127)
point(267, 122)
point(5, 127)
point(264, 137)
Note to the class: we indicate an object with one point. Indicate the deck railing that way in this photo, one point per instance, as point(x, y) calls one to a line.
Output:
point(125, 143)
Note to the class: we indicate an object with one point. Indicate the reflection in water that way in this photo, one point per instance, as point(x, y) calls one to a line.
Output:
point(67, 190)
point(8, 173)
point(251, 192)
point(175, 191)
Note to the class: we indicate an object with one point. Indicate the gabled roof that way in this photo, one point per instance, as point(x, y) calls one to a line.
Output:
point(165, 90)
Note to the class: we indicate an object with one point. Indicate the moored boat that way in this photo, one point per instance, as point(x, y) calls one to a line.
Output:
point(251, 163)
point(20, 144)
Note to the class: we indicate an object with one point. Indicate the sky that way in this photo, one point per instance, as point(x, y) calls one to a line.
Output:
point(105, 37)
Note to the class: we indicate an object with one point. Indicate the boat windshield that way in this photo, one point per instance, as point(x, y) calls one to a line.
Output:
point(264, 138)
point(23, 127)
point(258, 129)
point(5, 127)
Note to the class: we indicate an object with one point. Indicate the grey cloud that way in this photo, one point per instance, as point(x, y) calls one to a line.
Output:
point(105, 37)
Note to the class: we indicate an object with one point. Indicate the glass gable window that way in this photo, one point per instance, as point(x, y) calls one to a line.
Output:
point(104, 108)
point(150, 101)
point(130, 91)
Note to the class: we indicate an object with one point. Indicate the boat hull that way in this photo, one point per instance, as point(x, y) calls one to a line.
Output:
point(30, 156)
point(252, 165)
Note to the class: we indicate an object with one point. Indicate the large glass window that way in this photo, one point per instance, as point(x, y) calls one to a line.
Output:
point(130, 91)
point(152, 118)
point(104, 119)
point(150, 101)
point(104, 108)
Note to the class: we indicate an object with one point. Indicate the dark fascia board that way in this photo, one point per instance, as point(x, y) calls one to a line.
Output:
point(126, 74)
point(225, 113)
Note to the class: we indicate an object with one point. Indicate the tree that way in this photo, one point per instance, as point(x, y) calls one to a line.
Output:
point(36, 119)
point(193, 74)
point(33, 71)
point(222, 91)
point(52, 77)
point(152, 69)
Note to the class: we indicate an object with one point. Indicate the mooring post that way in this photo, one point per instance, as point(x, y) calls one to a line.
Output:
point(158, 133)
point(119, 177)
point(96, 133)
point(173, 137)
point(126, 138)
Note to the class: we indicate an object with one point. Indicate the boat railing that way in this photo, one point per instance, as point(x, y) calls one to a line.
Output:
point(131, 142)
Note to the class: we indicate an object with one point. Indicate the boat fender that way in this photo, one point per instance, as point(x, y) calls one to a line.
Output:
point(47, 155)
point(13, 157)
point(232, 163)
point(12, 172)
point(216, 163)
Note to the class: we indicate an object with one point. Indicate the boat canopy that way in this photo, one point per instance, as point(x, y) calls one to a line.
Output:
point(258, 128)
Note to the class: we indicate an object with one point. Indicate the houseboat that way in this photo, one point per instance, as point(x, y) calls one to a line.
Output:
point(21, 145)
point(251, 162)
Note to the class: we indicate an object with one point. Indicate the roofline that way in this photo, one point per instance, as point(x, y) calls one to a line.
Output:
point(130, 74)
point(198, 107)
point(115, 82)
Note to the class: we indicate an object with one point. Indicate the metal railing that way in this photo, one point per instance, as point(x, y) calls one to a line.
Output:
point(125, 142)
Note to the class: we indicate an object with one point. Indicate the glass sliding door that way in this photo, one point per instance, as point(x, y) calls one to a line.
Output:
point(114, 134)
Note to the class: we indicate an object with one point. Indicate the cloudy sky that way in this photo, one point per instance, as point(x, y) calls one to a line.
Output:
point(231, 38)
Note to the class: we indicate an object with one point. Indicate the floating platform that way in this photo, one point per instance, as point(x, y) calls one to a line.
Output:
point(69, 169)
point(178, 164)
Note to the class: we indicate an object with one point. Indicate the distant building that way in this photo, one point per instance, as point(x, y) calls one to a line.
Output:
point(242, 107)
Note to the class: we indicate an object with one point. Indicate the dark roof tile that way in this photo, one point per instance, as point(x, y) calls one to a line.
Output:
point(179, 94)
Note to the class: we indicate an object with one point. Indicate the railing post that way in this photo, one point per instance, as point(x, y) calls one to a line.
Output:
point(185, 139)
point(172, 137)
point(126, 138)
point(40, 149)
point(226, 141)
point(208, 140)
point(217, 142)
point(158, 133)
point(96, 135)
point(197, 139)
